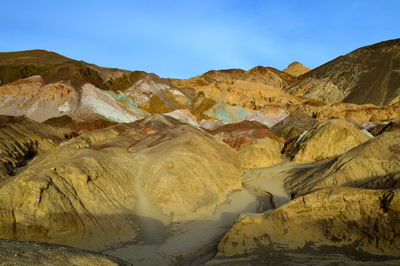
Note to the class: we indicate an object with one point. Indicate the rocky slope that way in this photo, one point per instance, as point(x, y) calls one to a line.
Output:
point(251, 89)
point(348, 218)
point(21, 139)
point(43, 85)
point(35, 253)
point(258, 146)
point(68, 122)
point(237, 134)
point(118, 184)
point(374, 164)
point(369, 74)
point(348, 205)
point(354, 113)
point(39, 101)
point(259, 153)
point(261, 75)
point(54, 67)
point(326, 140)
point(293, 125)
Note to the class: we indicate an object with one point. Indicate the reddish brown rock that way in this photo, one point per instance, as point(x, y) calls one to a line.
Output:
point(67, 122)
point(244, 132)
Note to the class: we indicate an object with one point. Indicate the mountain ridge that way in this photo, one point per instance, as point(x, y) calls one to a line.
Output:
point(370, 74)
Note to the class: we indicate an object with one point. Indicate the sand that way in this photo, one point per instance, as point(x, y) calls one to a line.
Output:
point(195, 242)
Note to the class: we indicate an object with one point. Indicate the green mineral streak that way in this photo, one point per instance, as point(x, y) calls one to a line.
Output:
point(221, 114)
point(127, 102)
point(241, 113)
point(228, 113)
point(121, 97)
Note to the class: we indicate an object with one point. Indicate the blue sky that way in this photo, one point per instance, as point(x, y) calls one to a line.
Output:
point(186, 38)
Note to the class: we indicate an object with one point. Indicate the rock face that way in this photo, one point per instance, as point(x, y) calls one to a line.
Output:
point(373, 164)
point(35, 253)
point(354, 219)
point(118, 184)
point(21, 139)
point(369, 74)
point(296, 69)
point(326, 140)
point(260, 153)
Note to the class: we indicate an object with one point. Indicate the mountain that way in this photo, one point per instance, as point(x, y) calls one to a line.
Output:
point(54, 67)
point(259, 74)
point(296, 69)
point(251, 89)
point(369, 74)
point(44, 85)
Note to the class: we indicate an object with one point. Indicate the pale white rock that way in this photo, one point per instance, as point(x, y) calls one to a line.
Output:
point(64, 108)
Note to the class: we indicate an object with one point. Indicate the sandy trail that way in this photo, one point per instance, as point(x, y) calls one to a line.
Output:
point(272, 179)
point(195, 242)
point(185, 242)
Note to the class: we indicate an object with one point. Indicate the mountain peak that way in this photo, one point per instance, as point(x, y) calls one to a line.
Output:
point(296, 69)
